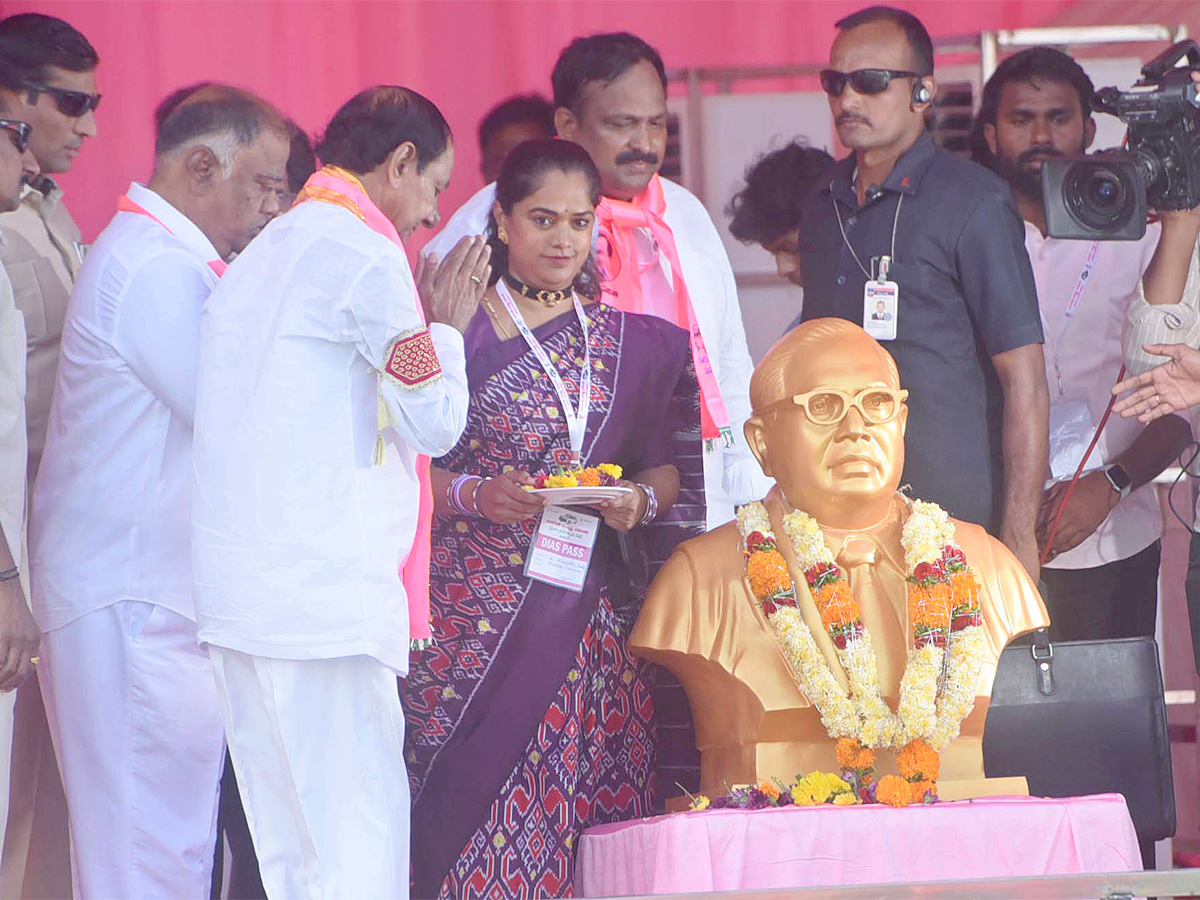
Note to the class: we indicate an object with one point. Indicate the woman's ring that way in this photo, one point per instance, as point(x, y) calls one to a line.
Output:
point(33, 660)
point(477, 279)
point(1155, 401)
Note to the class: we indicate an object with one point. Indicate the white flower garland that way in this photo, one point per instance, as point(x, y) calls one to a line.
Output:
point(923, 712)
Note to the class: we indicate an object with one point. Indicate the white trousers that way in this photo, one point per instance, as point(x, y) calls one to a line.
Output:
point(318, 748)
point(133, 714)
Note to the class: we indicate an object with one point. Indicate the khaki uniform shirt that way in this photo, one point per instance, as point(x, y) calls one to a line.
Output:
point(42, 253)
point(12, 428)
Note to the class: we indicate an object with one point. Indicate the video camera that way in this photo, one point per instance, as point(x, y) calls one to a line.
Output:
point(1105, 196)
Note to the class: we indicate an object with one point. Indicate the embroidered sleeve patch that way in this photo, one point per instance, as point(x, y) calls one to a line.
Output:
point(411, 360)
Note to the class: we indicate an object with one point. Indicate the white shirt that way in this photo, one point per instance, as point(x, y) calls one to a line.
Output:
point(732, 476)
point(1083, 358)
point(1167, 323)
point(13, 447)
point(110, 505)
point(297, 537)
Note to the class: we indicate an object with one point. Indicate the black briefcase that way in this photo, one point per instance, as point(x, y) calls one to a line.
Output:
point(1085, 717)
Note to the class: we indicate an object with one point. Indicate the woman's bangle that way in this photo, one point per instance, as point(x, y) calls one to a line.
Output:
point(651, 505)
point(455, 492)
point(473, 510)
point(10, 574)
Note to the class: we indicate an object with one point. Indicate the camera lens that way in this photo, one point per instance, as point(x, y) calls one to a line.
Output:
point(1098, 195)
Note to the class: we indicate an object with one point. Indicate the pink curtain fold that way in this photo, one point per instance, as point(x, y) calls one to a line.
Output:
point(308, 57)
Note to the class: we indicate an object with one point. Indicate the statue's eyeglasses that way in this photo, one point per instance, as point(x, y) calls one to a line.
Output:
point(828, 406)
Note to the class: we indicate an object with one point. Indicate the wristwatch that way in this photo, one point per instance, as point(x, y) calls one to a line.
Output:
point(1119, 479)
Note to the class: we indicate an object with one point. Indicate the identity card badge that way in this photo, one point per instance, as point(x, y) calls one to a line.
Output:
point(881, 304)
point(562, 548)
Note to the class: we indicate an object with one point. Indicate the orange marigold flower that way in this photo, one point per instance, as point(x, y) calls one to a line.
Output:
point(918, 790)
point(589, 478)
point(966, 589)
point(893, 790)
point(918, 761)
point(930, 605)
point(769, 789)
point(836, 603)
point(768, 573)
point(853, 755)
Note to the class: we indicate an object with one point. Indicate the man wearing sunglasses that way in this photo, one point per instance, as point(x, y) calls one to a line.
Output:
point(19, 634)
point(47, 80)
point(939, 241)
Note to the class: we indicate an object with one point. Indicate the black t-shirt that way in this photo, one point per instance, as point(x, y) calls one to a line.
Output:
point(966, 294)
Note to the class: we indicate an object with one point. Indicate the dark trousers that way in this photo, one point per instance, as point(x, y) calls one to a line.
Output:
point(1116, 600)
point(1192, 585)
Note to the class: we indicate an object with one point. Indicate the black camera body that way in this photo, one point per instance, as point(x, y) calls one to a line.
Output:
point(1095, 198)
point(1099, 197)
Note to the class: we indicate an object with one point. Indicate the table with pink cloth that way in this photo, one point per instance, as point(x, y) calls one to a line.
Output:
point(812, 846)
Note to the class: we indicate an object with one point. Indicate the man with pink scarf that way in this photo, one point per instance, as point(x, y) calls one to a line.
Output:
point(325, 383)
point(658, 250)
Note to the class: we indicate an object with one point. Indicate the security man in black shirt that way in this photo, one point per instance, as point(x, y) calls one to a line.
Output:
point(938, 242)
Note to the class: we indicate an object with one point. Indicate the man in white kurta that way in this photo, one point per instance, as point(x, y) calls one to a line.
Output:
point(314, 348)
point(620, 119)
point(129, 693)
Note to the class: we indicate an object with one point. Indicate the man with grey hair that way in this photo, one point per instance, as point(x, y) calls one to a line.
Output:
point(129, 693)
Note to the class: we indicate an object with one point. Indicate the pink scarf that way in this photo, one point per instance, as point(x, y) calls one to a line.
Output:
point(124, 204)
point(339, 187)
point(622, 278)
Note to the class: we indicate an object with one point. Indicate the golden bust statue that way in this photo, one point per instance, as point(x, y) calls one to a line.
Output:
point(829, 428)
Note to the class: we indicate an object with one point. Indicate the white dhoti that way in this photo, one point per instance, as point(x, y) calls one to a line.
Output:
point(133, 714)
point(317, 745)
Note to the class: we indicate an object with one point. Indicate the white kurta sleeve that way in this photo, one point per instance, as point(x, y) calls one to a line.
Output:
point(422, 369)
point(468, 220)
point(157, 328)
point(1168, 323)
point(743, 478)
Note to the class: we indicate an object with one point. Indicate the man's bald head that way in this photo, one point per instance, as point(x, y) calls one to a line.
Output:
point(798, 360)
point(218, 116)
point(220, 157)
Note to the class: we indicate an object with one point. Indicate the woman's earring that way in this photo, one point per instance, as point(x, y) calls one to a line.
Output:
point(502, 234)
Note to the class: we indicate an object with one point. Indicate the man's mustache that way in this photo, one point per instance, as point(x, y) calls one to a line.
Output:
point(851, 117)
point(635, 156)
point(1035, 153)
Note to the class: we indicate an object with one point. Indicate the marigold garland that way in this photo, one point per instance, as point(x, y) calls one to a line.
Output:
point(941, 674)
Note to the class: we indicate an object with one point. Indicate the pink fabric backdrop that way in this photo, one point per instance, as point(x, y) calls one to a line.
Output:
point(308, 57)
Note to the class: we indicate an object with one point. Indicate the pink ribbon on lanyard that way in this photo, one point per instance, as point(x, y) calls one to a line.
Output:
point(339, 187)
point(618, 222)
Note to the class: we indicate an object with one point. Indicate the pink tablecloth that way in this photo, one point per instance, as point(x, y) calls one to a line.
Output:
point(720, 850)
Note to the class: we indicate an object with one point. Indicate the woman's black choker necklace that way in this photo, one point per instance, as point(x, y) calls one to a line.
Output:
point(549, 299)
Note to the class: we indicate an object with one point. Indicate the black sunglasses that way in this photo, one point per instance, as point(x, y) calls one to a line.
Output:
point(864, 81)
point(70, 103)
point(19, 132)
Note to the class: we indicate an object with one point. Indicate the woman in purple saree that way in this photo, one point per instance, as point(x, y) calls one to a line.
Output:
point(527, 720)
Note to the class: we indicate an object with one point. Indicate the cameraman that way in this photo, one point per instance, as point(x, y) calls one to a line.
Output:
point(1101, 571)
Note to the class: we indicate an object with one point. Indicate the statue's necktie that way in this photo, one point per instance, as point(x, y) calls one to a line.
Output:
point(878, 586)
